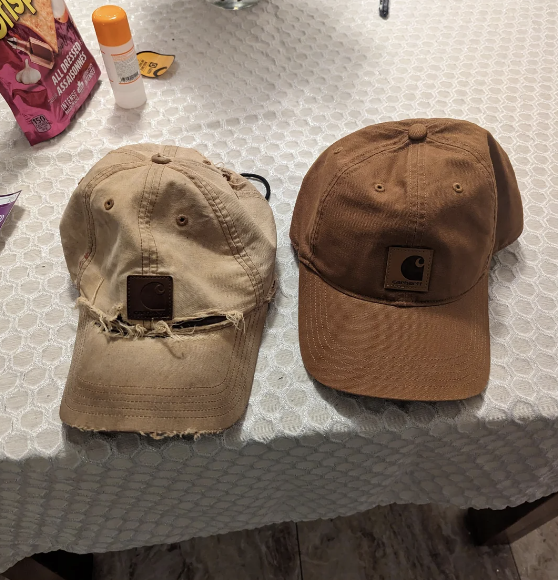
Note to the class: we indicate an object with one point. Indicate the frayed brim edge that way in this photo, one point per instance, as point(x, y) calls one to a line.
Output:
point(155, 434)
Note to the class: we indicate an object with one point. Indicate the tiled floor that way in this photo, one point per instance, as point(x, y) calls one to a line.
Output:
point(386, 543)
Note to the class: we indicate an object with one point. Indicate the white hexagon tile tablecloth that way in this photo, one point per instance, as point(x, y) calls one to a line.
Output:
point(266, 90)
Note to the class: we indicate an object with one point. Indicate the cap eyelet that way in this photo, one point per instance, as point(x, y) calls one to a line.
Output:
point(458, 188)
point(338, 150)
point(206, 162)
point(181, 220)
point(379, 187)
point(109, 204)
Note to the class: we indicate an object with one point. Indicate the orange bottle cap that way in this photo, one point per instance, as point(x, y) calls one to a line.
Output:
point(111, 26)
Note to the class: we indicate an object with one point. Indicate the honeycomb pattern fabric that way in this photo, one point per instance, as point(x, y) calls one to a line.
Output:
point(265, 91)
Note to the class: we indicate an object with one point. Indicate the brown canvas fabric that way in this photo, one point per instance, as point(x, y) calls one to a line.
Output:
point(375, 317)
point(174, 260)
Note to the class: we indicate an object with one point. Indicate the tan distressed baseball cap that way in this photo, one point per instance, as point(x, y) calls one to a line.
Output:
point(174, 260)
point(395, 226)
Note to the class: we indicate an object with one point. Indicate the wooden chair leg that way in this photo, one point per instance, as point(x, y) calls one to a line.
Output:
point(57, 565)
point(490, 527)
point(29, 569)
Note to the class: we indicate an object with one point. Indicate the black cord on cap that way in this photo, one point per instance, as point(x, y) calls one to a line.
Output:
point(261, 180)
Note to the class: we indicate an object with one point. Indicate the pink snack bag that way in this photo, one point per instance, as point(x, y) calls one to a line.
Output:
point(46, 71)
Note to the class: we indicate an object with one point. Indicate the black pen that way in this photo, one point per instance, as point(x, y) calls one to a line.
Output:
point(384, 8)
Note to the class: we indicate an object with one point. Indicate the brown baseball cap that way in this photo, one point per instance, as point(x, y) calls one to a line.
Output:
point(174, 260)
point(395, 226)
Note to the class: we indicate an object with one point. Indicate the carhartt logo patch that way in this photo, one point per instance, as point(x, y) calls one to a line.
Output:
point(408, 269)
point(149, 297)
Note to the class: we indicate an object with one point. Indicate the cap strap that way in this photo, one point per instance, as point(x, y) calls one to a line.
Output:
point(261, 179)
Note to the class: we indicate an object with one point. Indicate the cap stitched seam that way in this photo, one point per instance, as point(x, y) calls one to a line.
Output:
point(127, 152)
point(350, 164)
point(143, 219)
point(238, 334)
point(353, 163)
point(237, 248)
point(147, 175)
point(170, 150)
point(348, 365)
point(240, 365)
point(237, 241)
point(323, 301)
point(153, 203)
point(86, 199)
point(317, 324)
point(91, 242)
point(413, 189)
point(422, 211)
point(419, 149)
point(421, 304)
point(491, 177)
point(476, 154)
point(198, 165)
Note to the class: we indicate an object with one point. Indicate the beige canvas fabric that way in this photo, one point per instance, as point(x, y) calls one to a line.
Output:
point(174, 260)
point(395, 226)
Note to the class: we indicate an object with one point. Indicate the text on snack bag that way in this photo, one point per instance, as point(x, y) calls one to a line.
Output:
point(10, 11)
point(68, 68)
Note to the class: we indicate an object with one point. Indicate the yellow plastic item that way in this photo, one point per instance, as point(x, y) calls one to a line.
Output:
point(153, 64)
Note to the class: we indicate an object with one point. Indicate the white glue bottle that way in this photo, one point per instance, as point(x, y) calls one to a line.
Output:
point(119, 54)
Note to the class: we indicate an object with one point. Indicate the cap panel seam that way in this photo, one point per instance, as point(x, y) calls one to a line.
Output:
point(235, 243)
point(198, 165)
point(476, 154)
point(346, 167)
point(395, 125)
point(490, 173)
point(416, 190)
point(139, 213)
point(422, 211)
point(142, 219)
point(127, 152)
point(349, 165)
point(409, 179)
point(86, 198)
point(409, 198)
point(444, 123)
point(235, 238)
point(156, 198)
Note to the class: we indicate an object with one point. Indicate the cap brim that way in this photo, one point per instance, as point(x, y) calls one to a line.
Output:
point(423, 353)
point(196, 383)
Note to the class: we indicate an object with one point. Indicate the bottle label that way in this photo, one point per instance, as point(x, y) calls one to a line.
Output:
point(121, 63)
point(126, 65)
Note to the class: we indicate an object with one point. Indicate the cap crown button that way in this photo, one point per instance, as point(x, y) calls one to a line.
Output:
point(417, 132)
point(158, 158)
